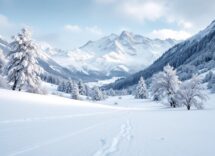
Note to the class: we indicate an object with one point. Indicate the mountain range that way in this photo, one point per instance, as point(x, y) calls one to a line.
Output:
point(108, 57)
point(111, 56)
point(195, 55)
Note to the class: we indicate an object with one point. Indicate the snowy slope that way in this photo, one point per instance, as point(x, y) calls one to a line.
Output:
point(113, 55)
point(39, 125)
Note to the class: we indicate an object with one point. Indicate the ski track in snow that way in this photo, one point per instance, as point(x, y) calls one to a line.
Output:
point(39, 119)
point(55, 140)
point(125, 133)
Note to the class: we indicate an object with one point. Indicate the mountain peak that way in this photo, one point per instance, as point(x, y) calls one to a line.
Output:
point(212, 25)
point(112, 36)
point(126, 34)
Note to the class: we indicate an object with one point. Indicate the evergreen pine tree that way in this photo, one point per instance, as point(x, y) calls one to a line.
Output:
point(82, 88)
point(75, 91)
point(97, 94)
point(22, 68)
point(141, 90)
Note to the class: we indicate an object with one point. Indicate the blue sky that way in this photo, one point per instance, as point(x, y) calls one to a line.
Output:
point(70, 23)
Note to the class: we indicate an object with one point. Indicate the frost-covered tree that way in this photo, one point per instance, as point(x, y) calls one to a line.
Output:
point(88, 90)
point(2, 61)
point(156, 88)
point(124, 92)
point(166, 83)
point(141, 89)
point(75, 91)
point(111, 92)
point(22, 68)
point(97, 94)
point(62, 87)
point(82, 88)
point(69, 86)
point(191, 93)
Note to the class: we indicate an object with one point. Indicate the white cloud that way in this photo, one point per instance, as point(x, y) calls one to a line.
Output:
point(7, 27)
point(169, 33)
point(72, 28)
point(143, 11)
point(88, 29)
point(105, 1)
point(4, 22)
point(94, 30)
point(185, 24)
point(186, 14)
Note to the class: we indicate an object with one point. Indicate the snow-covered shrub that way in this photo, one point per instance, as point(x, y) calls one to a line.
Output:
point(190, 93)
point(141, 90)
point(22, 68)
point(165, 83)
point(115, 103)
point(39, 90)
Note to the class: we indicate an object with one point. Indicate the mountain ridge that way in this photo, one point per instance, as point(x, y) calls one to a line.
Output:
point(114, 55)
point(191, 56)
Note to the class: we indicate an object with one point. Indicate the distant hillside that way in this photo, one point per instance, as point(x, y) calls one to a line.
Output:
point(194, 55)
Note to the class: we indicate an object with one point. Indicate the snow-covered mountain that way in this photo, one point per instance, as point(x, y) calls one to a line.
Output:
point(196, 55)
point(49, 66)
point(112, 56)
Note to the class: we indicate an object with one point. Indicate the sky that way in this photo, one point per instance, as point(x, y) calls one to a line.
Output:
point(69, 24)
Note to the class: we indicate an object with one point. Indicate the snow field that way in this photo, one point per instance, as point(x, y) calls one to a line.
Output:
point(39, 125)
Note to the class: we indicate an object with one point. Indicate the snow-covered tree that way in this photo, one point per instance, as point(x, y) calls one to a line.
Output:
point(2, 61)
point(97, 94)
point(68, 87)
point(111, 92)
point(124, 92)
point(166, 83)
point(75, 91)
point(62, 87)
point(141, 89)
point(22, 68)
point(156, 88)
point(88, 90)
point(191, 93)
point(82, 88)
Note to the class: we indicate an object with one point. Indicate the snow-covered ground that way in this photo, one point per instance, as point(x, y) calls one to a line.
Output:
point(47, 125)
point(102, 82)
